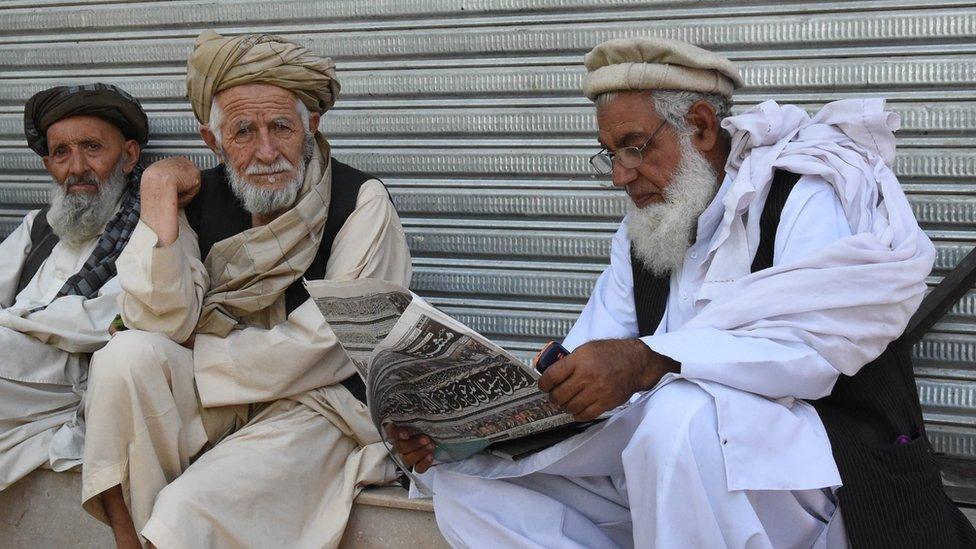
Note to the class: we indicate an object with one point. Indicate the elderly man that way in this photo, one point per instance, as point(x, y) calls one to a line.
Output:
point(259, 396)
point(58, 287)
point(766, 263)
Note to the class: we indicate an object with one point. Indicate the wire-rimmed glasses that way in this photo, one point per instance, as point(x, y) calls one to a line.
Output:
point(628, 157)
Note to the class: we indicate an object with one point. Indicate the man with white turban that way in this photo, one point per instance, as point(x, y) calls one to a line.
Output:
point(249, 429)
point(750, 314)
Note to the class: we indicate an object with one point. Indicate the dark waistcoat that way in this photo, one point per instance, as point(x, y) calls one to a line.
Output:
point(892, 494)
point(216, 214)
point(43, 241)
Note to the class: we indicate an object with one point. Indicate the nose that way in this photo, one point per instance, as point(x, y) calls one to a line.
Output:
point(267, 150)
point(623, 176)
point(77, 165)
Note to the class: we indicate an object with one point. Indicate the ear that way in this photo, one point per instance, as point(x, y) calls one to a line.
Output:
point(313, 121)
point(210, 139)
point(47, 162)
point(132, 151)
point(701, 117)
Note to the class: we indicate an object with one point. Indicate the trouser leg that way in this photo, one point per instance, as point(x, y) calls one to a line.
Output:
point(286, 479)
point(144, 421)
point(30, 415)
point(678, 490)
point(537, 510)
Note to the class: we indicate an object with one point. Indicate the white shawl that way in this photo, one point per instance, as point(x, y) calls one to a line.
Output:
point(850, 299)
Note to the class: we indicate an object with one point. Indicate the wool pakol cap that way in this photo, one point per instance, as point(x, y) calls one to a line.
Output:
point(627, 64)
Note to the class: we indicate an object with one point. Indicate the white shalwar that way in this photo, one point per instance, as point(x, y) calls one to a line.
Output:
point(726, 454)
point(43, 370)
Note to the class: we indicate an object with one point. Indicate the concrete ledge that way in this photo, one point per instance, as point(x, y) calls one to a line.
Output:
point(44, 510)
point(383, 517)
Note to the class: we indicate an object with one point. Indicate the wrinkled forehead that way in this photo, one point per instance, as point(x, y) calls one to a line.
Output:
point(625, 117)
point(256, 101)
point(80, 128)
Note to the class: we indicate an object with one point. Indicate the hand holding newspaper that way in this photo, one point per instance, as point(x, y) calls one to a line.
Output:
point(425, 371)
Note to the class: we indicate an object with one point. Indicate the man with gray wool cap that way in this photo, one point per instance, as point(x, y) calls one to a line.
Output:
point(749, 318)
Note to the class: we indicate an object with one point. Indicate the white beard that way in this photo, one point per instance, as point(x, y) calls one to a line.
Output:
point(661, 233)
point(262, 200)
point(78, 217)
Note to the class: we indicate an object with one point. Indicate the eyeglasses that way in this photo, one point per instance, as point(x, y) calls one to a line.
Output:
point(628, 157)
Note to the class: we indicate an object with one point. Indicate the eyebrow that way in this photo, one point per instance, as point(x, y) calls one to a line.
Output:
point(243, 124)
point(632, 137)
point(627, 138)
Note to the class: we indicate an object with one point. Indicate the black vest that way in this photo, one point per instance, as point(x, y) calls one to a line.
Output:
point(892, 494)
point(216, 214)
point(43, 241)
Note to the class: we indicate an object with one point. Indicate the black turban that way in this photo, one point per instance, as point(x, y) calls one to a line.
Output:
point(102, 100)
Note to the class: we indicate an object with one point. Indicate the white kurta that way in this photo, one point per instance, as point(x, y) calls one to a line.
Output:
point(736, 369)
point(301, 446)
point(43, 370)
point(750, 486)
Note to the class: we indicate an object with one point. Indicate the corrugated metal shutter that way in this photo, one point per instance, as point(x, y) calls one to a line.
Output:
point(471, 112)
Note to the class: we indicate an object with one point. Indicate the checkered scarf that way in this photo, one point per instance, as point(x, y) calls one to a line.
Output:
point(100, 266)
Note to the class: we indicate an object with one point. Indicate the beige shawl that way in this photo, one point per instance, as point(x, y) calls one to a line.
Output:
point(251, 270)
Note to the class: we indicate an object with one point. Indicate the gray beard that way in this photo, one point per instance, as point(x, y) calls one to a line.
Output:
point(78, 217)
point(264, 201)
point(661, 233)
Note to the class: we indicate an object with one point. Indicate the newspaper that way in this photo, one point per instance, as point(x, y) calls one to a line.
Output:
point(428, 372)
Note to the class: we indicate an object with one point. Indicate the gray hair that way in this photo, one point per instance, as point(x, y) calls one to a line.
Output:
point(217, 117)
point(673, 106)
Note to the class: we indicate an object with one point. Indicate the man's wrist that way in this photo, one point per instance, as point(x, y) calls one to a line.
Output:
point(158, 188)
point(653, 365)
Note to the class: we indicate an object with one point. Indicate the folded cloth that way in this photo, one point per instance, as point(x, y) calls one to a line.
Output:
point(877, 274)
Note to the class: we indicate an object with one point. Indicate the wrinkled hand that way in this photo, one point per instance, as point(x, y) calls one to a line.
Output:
point(177, 172)
point(601, 375)
point(417, 449)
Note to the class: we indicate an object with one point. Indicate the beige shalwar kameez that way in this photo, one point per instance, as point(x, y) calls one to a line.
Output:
point(292, 447)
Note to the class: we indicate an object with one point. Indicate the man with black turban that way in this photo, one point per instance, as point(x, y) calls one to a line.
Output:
point(250, 430)
point(58, 284)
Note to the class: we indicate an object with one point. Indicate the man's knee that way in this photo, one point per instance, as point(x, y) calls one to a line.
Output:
point(129, 358)
point(177, 503)
point(679, 415)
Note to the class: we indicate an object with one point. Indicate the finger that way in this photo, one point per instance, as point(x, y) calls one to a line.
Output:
point(557, 373)
point(580, 402)
point(425, 464)
point(419, 456)
point(592, 412)
point(566, 391)
point(412, 445)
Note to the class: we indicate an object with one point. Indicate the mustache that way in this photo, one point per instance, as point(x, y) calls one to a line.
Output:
point(261, 168)
point(87, 179)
